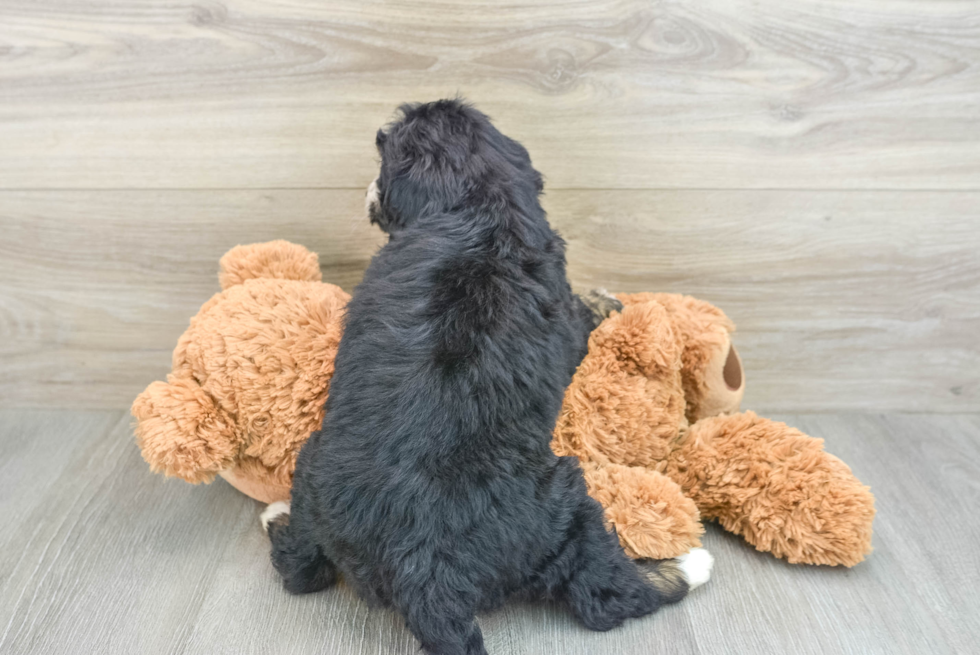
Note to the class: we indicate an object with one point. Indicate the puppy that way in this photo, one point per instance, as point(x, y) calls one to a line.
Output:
point(432, 486)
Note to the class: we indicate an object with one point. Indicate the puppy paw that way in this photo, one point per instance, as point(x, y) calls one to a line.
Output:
point(601, 303)
point(271, 512)
point(696, 565)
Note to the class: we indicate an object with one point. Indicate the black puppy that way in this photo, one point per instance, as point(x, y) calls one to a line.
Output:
point(432, 486)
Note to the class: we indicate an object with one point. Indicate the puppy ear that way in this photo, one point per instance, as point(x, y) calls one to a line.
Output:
point(379, 139)
point(404, 199)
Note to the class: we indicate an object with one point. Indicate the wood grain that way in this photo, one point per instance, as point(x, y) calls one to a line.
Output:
point(606, 94)
point(844, 300)
point(811, 167)
point(95, 288)
point(99, 555)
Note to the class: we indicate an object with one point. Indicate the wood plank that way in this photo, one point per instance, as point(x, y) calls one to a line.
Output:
point(913, 593)
point(95, 288)
point(56, 438)
point(101, 563)
point(610, 94)
point(107, 557)
point(844, 300)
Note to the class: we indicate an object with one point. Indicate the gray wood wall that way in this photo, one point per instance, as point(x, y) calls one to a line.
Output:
point(811, 167)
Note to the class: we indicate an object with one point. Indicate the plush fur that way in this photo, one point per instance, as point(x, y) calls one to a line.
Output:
point(250, 375)
point(432, 486)
point(652, 414)
point(655, 396)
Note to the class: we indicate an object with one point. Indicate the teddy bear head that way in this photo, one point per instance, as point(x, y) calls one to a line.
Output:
point(711, 369)
point(250, 375)
point(661, 364)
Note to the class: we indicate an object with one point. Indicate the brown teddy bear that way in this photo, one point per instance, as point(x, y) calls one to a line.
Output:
point(649, 414)
point(250, 375)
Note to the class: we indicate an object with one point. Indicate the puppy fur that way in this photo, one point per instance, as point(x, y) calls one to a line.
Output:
point(432, 486)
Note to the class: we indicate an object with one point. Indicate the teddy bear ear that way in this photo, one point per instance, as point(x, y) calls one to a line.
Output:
point(711, 369)
point(639, 337)
point(274, 259)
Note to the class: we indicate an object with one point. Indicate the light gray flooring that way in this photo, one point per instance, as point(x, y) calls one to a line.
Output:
point(97, 555)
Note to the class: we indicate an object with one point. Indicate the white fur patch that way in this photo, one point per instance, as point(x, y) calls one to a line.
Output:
point(696, 566)
point(272, 511)
point(602, 292)
point(372, 195)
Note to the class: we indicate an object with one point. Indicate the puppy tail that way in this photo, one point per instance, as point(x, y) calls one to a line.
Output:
point(675, 578)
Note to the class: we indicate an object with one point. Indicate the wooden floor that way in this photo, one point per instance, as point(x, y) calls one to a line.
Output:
point(97, 555)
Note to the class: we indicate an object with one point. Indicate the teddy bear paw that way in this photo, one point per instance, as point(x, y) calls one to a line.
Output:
point(273, 511)
point(696, 565)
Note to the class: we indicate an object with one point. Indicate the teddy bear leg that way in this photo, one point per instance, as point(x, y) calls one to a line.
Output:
point(301, 563)
point(776, 487)
point(652, 516)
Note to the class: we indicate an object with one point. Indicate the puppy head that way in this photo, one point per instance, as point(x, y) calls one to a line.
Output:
point(444, 155)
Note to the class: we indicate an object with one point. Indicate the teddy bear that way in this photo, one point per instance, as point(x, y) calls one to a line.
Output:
point(651, 414)
point(250, 375)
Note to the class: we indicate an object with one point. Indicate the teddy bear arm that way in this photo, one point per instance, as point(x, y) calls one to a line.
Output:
point(652, 516)
point(182, 432)
point(777, 488)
